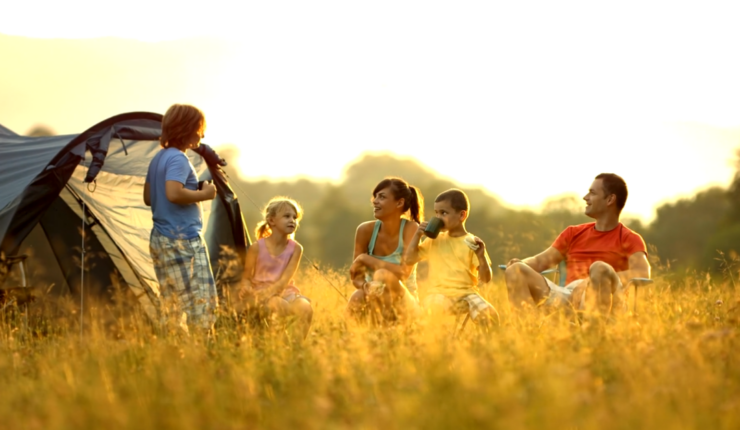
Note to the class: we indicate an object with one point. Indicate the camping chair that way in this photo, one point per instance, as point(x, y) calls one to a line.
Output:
point(560, 277)
point(6, 265)
point(19, 294)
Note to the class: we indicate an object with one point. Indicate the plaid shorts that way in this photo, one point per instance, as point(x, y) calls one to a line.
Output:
point(471, 303)
point(185, 278)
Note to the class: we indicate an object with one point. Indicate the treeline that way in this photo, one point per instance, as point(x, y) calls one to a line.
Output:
point(689, 234)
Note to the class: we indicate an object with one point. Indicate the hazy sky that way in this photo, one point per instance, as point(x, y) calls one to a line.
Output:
point(529, 99)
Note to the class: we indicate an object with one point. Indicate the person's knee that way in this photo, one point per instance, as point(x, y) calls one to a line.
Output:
point(600, 271)
point(516, 272)
point(357, 298)
point(386, 276)
point(302, 308)
point(276, 305)
point(356, 303)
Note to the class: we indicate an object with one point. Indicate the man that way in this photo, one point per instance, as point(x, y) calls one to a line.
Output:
point(601, 257)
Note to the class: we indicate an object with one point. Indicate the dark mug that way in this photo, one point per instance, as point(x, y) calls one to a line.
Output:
point(433, 227)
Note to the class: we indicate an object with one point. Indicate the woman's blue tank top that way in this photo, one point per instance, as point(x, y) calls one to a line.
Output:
point(394, 257)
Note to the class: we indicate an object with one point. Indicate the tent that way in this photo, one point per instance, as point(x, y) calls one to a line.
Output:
point(50, 184)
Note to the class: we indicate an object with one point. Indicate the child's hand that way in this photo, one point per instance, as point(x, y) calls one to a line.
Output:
point(209, 191)
point(422, 227)
point(470, 241)
point(246, 294)
point(476, 244)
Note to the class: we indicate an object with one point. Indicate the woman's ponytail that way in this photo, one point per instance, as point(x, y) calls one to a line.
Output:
point(416, 204)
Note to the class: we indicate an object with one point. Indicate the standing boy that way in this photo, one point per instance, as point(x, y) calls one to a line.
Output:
point(177, 246)
point(458, 261)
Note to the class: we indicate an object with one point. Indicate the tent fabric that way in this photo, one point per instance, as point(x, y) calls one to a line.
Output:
point(105, 168)
point(6, 132)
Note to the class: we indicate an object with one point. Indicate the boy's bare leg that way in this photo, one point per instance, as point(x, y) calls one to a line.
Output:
point(436, 305)
point(488, 318)
point(525, 286)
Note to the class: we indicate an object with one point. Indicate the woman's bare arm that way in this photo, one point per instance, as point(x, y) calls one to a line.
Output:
point(362, 239)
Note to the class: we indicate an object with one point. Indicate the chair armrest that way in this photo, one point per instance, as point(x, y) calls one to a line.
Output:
point(545, 272)
point(15, 258)
point(639, 282)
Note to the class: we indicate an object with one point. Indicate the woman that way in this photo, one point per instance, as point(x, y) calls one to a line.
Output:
point(386, 288)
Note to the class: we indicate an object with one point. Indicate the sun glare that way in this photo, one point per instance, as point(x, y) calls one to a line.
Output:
point(529, 102)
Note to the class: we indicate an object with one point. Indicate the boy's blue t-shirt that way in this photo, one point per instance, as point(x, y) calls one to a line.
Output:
point(170, 219)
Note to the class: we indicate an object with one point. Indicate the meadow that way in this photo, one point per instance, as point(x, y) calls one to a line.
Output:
point(674, 364)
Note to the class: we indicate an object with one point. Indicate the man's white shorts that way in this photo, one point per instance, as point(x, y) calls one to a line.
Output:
point(562, 296)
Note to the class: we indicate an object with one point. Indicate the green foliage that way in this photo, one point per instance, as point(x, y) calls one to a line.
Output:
point(333, 211)
point(686, 234)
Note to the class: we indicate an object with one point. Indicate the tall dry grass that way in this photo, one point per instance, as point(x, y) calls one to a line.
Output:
point(674, 365)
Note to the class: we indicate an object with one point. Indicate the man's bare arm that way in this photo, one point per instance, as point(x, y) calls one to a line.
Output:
point(546, 259)
point(639, 267)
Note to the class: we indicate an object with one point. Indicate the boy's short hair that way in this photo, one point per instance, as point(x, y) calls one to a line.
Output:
point(179, 124)
point(457, 198)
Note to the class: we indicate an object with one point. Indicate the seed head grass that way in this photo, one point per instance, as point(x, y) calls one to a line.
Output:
point(673, 364)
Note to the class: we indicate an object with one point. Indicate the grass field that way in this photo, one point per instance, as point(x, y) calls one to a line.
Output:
point(674, 365)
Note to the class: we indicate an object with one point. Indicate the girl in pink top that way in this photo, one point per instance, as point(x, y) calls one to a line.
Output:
point(272, 262)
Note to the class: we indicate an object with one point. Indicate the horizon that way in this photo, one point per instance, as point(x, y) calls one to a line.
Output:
point(524, 92)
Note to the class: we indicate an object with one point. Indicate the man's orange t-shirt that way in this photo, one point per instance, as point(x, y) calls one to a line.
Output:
point(582, 245)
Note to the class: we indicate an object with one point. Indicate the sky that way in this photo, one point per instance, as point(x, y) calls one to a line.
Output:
point(527, 99)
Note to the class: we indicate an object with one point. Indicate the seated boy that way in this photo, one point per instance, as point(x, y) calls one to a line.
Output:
point(458, 261)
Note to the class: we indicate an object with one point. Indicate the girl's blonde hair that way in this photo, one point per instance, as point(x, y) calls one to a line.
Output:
point(275, 206)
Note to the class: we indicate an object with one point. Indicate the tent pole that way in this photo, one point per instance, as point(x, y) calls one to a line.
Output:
point(82, 267)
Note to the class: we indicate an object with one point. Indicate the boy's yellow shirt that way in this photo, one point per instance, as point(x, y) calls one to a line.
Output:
point(453, 266)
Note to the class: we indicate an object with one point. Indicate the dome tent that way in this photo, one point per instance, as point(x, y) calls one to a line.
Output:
point(51, 183)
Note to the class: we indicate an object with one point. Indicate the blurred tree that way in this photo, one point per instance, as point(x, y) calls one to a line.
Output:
point(333, 224)
point(688, 232)
point(40, 130)
point(682, 230)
